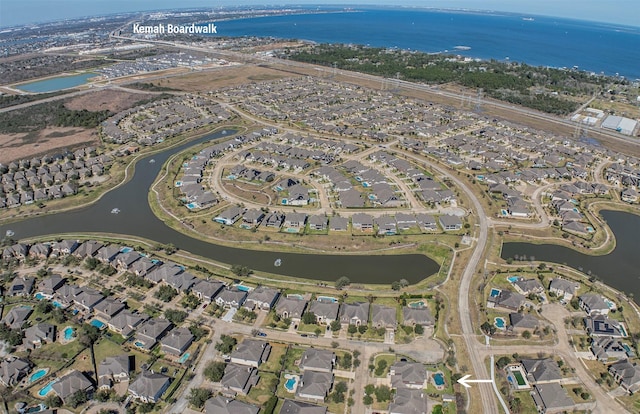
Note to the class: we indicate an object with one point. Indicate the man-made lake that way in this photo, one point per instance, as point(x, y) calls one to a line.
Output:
point(136, 218)
point(57, 83)
point(619, 269)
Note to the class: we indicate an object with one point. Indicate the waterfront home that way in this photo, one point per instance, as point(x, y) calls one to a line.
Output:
point(176, 341)
point(450, 223)
point(427, 222)
point(229, 216)
point(21, 286)
point(251, 352)
point(40, 250)
point(386, 225)
point(291, 307)
point(206, 290)
point(355, 313)
point(405, 221)
point(143, 265)
point(223, 405)
point(299, 407)
point(149, 386)
point(326, 312)
point(362, 222)
point(150, 332)
point(563, 289)
point(528, 286)
point(182, 281)
point(262, 298)
point(106, 254)
point(231, 297)
point(383, 317)
point(601, 325)
point(593, 303)
point(626, 374)
point(164, 272)
point(338, 223)
point(541, 371)
point(38, 335)
point(17, 251)
point(113, 370)
point(124, 260)
point(12, 370)
point(87, 249)
point(274, 219)
point(407, 400)
point(314, 385)
point(64, 247)
point(253, 217)
point(295, 220)
point(315, 359)
point(605, 348)
point(239, 378)
point(404, 374)
point(71, 383)
point(552, 398)
point(413, 316)
point(318, 222)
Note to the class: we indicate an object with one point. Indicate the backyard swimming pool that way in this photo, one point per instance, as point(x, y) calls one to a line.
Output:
point(184, 358)
point(98, 324)
point(500, 323)
point(438, 379)
point(68, 333)
point(39, 296)
point(291, 383)
point(513, 279)
point(327, 299)
point(495, 292)
point(243, 288)
point(418, 305)
point(47, 388)
point(38, 374)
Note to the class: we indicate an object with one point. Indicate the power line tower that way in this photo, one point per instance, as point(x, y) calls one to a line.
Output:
point(478, 107)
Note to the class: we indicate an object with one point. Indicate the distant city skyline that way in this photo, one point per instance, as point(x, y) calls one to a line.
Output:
point(20, 12)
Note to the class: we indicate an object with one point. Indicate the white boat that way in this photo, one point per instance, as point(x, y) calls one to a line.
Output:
point(10, 233)
point(115, 210)
point(277, 263)
point(151, 161)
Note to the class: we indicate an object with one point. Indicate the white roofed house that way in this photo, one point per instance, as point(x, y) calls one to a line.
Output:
point(177, 341)
point(262, 298)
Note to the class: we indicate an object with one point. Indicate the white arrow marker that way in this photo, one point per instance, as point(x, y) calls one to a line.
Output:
point(465, 381)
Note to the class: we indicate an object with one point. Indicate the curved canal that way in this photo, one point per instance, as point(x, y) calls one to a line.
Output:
point(619, 269)
point(137, 219)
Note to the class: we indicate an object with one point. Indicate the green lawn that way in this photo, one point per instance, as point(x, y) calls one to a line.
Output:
point(265, 388)
point(273, 364)
point(389, 358)
point(293, 355)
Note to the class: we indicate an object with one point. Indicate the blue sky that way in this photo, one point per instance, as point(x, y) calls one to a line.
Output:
point(624, 12)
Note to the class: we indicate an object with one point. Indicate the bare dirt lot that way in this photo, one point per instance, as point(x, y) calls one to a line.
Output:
point(112, 100)
point(27, 145)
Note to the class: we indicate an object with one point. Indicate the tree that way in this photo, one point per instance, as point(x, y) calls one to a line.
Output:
point(383, 393)
point(214, 371)
point(352, 329)
point(335, 325)
point(526, 334)
point(362, 329)
point(175, 316)
point(226, 344)
point(369, 389)
point(309, 318)
point(53, 401)
point(190, 301)
point(382, 365)
point(503, 362)
point(395, 285)
point(515, 405)
point(240, 270)
point(342, 282)
point(197, 331)
point(165, 293)
point(488, 328)
point(198, 396)
point(77, 398)
point(418, 329)
point(367, 399)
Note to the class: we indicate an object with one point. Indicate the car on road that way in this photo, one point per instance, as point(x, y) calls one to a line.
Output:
point(303, 335)
point(261, 334)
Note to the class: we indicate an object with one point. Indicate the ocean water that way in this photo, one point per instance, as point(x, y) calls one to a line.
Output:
point(535, 40)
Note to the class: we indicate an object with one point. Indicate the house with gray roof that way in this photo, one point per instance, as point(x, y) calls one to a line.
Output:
point(252, 352)
point(151, 331)
point(563, 288)
point(528, 286)
point(87, 249)
point(262, 298)
point(362, 222)
point(383, 317)
point(417, 316)
point(291, 307)
point(64, 247)
point(87, 298)
point(506, 299)
point(143, 265)
point(164, 272)
point(355, 313)
point(37, 335)
point(71, 383)
point(108, 308)
point(338, 223)
point(315, 359)
point(593, 303)
point(252, 217)
point(239, 378)
point(626, 374)
point(12, 370)
point(48, 286)
point(299, 407)
point(206, 290)
point(17, 251)
point(601, 325)
point(223, 405)
point(409, 401)
point(114, 369)
point(229, 216)
point(408, 375)
point(427, 222)
point(231, 297)
point(606, 348)
point(177, 341)
point(106, 254)
point(274, 219)
point(326, 312)
point(552, 398)
point(314, 385)
point(318, 222)
point(520, 322)
point(294, 220)
point(126, 322)
point(541, 371)
point(21, 286)
point(182, 281)
point(17, 316)
point(40, 250)
point(148, 386)
point(450, 223)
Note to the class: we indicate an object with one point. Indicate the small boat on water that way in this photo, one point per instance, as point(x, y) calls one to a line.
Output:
point(277, 263)
point(10, 233)
point(115, 210)
point(151, 161)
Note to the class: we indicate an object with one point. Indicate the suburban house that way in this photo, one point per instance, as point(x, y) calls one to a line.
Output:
point(318, 222)
point(113, 370)
point(362, 222)
point(299, 407)
point(37, 335)
point(506, 299)
point(71, 383)
point(231, 297)
point(593, 303)
point(21, 286)
point(87, 249)
point(291, 307)
point(126, 322)
point(326, 312)
point(223, 405)
point(338, 223)
point(229, 216)
point(601, 325)
point(17, 316)
point(150, 332)
point(251, 352)
point(149, 386)
point(605, 348)
point(355, 313)
point(252, 218)
point(317, 360)
point(408, 375)
point(409, 401)
point(552, 398)
point(563, 288)
point(48, 286)
point(176, 341)
point(413, 316)
point(541, 371)
point(239, 378)
point(626, 374)
point(383, 317)
point(295, 220)
point(314, 385)
point(108, 308)
point(450, 223)
point(12, 370)
point(528, 286)
point(520, 322)
point(262, 298)
point(40, 250)
point(206, 290)
point(427, 222)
